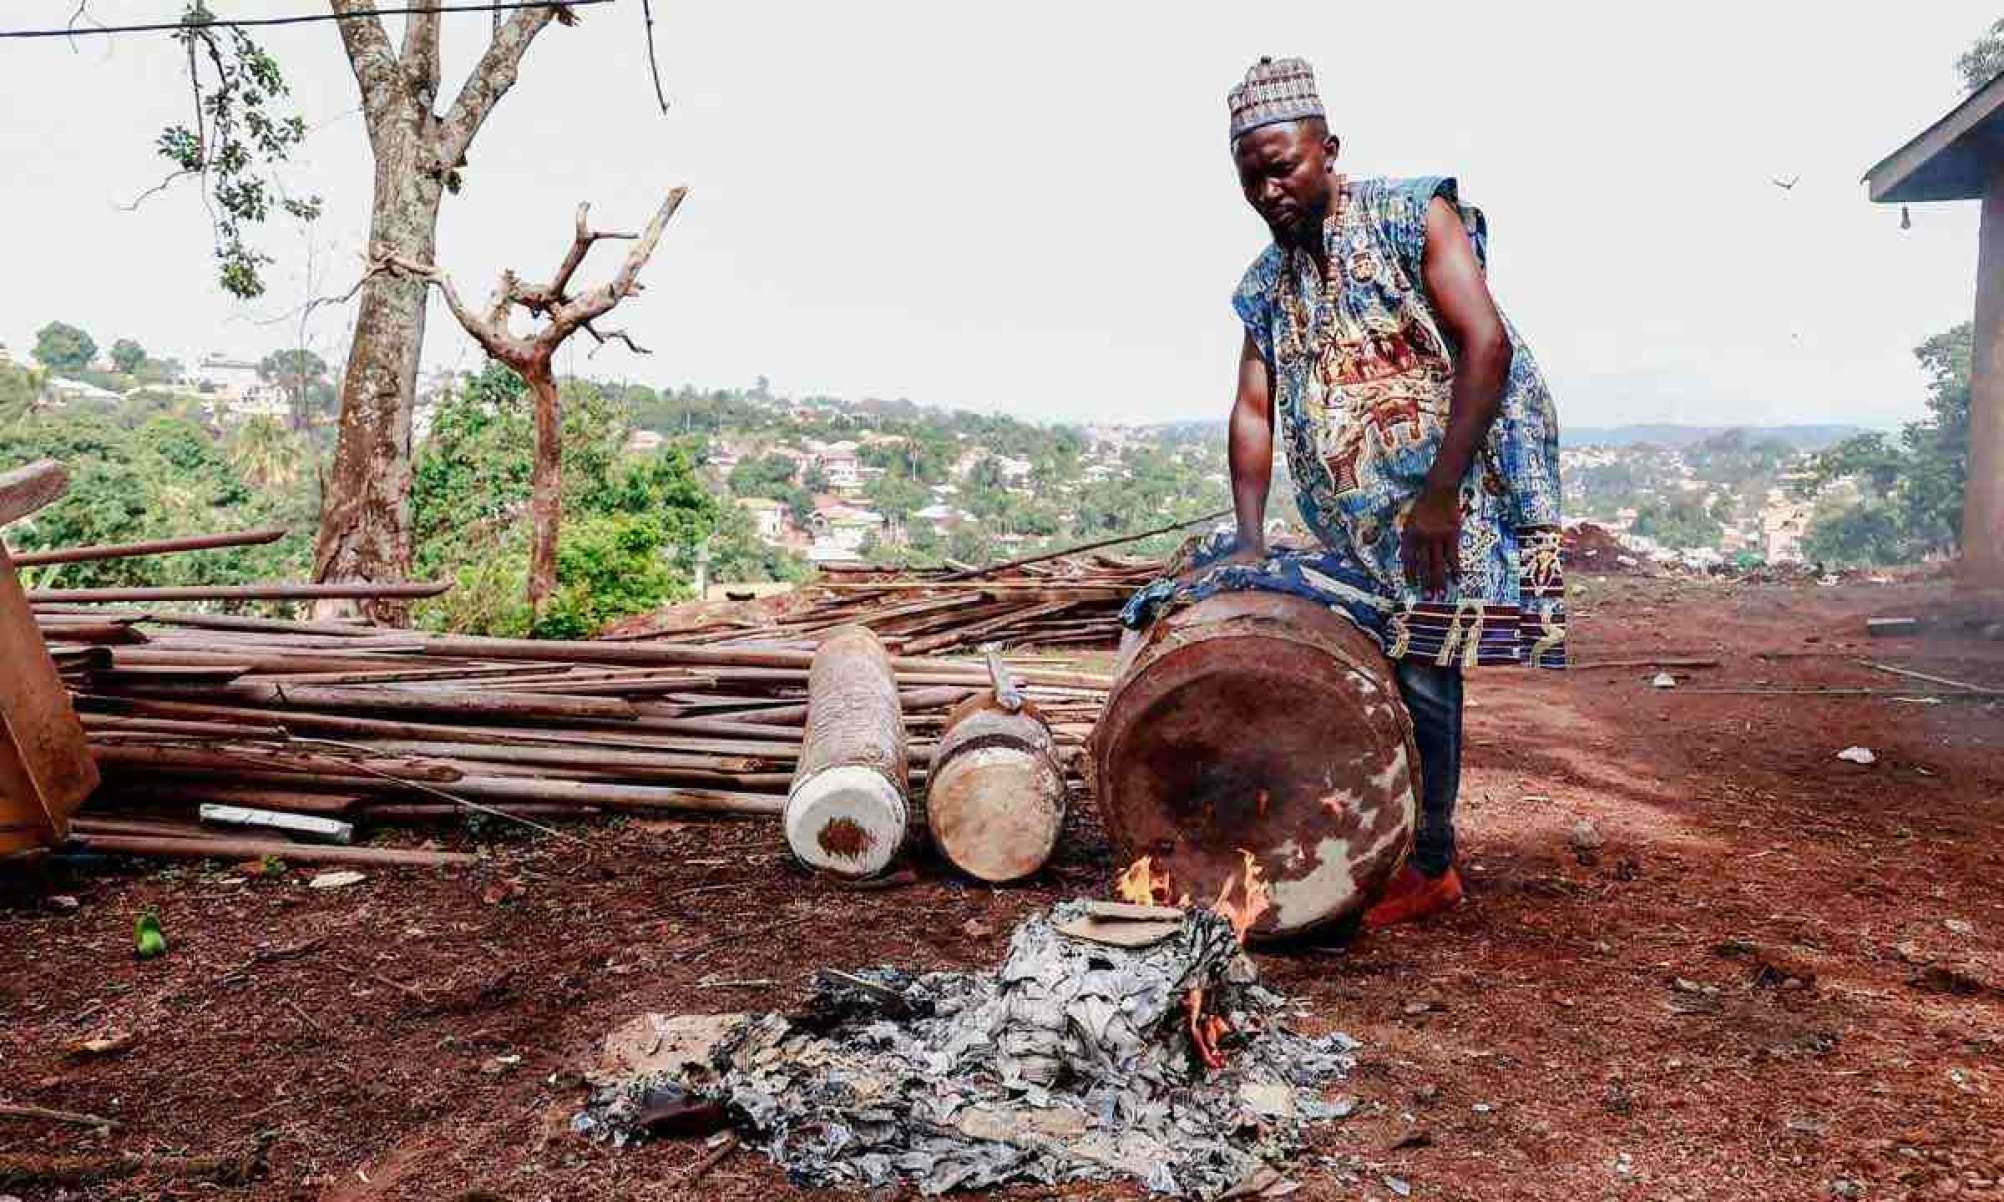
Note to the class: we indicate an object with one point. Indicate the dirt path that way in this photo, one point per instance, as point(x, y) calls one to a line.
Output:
point(1777, 973)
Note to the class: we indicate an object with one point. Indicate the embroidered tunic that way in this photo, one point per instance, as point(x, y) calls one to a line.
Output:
point(1362, 375)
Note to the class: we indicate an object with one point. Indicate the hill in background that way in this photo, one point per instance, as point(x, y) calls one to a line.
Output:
point(1810, 437)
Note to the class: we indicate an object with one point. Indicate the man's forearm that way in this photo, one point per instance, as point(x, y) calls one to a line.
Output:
point(1473, 403)
point(1251, 454)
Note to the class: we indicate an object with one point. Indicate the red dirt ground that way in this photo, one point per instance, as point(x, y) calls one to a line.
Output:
point(1779, 974)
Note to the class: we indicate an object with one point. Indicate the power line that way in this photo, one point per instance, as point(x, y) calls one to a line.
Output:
point(299, 19)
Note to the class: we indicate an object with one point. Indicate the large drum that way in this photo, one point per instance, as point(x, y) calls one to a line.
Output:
point(1256, 743)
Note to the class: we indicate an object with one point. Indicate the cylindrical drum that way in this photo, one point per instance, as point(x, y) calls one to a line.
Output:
point(1259, 738)
point(845, 812)
point(995, 795)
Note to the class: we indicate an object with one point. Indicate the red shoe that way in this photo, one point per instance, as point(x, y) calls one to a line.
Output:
point(1413, 895)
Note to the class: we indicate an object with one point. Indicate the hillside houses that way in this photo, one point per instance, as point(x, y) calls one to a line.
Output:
point(839, 465)
point(771, 518)
point(839, 531)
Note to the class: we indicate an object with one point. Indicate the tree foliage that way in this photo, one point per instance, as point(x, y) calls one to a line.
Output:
point(62, 347)
point(266, 455)
point(19, 386)
point(154, 475)
point(128, 356)
point(1984, 61)
point(236, 142)
point(630, 529)
point(773, 476)
point(1679, 522)
point(302, 376)
point(1908, 494)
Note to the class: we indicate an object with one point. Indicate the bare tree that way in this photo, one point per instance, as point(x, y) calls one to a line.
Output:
point(532, 356)
point(418, 152)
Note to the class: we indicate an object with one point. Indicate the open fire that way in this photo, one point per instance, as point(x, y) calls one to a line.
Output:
point(1143, 885)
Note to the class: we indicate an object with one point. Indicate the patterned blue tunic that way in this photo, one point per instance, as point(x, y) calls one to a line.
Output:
point(1362, 375)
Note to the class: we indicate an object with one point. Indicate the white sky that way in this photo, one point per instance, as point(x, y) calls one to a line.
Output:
point(1029, 207)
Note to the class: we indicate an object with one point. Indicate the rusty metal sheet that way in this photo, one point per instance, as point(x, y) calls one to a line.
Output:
point(1261, 725)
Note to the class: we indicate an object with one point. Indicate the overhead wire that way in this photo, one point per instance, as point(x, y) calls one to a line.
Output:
point(484, 6)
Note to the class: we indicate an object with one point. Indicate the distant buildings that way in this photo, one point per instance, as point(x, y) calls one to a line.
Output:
point(1783, 522)
point(769, 516)
point(840, 466)
point(235, 392)
point(839, 531)
point(60, 391)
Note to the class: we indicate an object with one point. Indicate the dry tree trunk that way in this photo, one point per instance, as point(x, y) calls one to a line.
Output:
point(532, 356)
point(365, 529)
point(546, 484)
point(365, 519)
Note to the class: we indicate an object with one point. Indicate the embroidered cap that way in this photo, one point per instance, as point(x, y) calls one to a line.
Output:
point(1274, 90)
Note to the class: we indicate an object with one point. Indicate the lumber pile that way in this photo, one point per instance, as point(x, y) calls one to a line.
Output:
point(295, 734)
point(1072, 601)
point(375, 726)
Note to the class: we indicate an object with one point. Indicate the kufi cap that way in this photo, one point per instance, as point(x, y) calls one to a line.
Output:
point(1274, 90)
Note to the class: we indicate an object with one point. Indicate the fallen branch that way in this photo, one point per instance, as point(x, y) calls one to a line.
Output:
point(14, 1110)
point(257, 849)
point(1645, 663)
point(1964, 685)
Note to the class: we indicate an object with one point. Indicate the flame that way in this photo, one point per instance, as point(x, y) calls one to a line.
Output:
point(1205, 1030)
point(1256, 897)
point(1141, 886)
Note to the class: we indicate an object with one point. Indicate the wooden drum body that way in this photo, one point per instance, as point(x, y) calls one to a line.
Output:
point(1259, 725)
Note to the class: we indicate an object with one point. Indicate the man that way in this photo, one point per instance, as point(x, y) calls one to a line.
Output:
point(1419, 434)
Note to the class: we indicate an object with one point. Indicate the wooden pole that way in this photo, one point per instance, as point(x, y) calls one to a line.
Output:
point(973, 573)
point(1982, 566)
point(253, 849)
point(226, 761)
point(352, 630)
point(26, 489)
point(457, 702)
point(245, 592)
point(158, 546)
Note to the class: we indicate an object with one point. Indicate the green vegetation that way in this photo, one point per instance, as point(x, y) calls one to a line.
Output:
point(239, 141)
point(1678, 522)
point(147, 474)
point(128, 356)
point(1984, 61)
point(302, 376)
point(631, 527)
point(1908, 495)
point(774, 477)
point(19, 386)
point(62, 347)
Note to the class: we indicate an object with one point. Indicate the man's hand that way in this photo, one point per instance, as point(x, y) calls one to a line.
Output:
point(1431, 545)
point(1247, 555)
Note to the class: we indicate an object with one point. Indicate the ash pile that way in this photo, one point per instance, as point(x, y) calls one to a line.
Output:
point(1115, 1041)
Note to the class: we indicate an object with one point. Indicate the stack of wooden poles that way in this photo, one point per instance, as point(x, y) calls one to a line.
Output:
point(1065, 599)
point(1071, 602)
point(376, 726)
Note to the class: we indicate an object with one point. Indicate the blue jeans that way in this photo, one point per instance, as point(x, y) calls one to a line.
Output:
point(1433, 698)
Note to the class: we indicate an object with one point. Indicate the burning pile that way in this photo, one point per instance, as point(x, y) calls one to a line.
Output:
point(1075, 1062)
